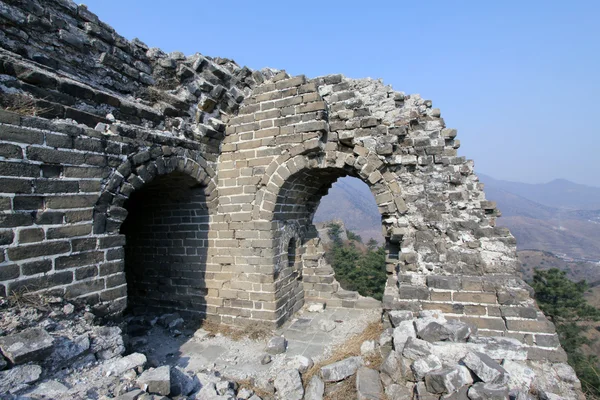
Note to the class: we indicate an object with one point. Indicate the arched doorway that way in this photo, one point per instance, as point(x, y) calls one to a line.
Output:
point(166, 243)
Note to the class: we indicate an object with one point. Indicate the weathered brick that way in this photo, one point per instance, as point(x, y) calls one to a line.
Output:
point(38, 250)
point(69, 231)
point(21, 135)
point(83, 288)
point(6, 237)
point(53, 156)
point(467, 297)
point(28, 203)
point(541, 325)
point(31, 235)
point(36, 267)
point(41, 282)
point(13, 185)
point(86, 272)
point(10, 271)
point(79, 260)
point(14, 220)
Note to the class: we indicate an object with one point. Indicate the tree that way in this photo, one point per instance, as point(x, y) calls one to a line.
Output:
point(334, 231)
point(563, 301)
point(372, 244)
point(353, 236)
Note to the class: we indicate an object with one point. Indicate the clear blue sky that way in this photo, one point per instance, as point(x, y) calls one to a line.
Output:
point(518, 79)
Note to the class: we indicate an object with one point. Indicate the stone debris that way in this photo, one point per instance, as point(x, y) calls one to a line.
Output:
point(416, 348)
point(314, 389)
point(17, 378)
point(30, 345)
point(486, 369)
point(423, 366)
point(120, 365)
point(368, 347)
point(488, 391)
point(288, 385)
point(301, 363)
point(397, 316)
point(276, 345)
point(316, 307)
point(368, 384)
point(403, 331)
point(341, 370)
point(156, 380)
point(447, 380)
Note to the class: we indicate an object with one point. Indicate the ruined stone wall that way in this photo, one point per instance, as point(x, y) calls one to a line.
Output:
point(260, 149)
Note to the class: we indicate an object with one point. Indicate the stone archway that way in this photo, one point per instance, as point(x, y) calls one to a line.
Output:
point(291, 195)
point(158, 215)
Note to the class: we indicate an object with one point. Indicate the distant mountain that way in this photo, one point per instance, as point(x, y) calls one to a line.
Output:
point(559, 193)
point(351, 201)
point(554, 224)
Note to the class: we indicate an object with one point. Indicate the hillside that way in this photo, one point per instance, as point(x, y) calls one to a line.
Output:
point(351, 201)
point(559, 193)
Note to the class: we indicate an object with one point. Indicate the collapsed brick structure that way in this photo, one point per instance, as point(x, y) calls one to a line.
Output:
point(189, 183)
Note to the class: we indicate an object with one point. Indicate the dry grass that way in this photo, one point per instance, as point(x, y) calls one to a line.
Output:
point(23, 299)
point(249, 384)
point(351, 348)
point(253, 330)
point(23, 105)
point(344, 390)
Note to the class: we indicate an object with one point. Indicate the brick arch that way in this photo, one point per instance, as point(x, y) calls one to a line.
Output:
point(336, 164)
point(142, 168)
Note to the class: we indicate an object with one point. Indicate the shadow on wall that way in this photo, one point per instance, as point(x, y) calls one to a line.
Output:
point(166, 250)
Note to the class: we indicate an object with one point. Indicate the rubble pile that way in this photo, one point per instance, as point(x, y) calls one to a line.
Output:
point(52, 348)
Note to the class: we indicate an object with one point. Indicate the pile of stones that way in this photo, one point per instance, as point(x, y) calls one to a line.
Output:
point(56, 349)
point(428, 357)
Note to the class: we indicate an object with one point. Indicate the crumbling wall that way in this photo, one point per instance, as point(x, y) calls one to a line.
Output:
point(263, 148)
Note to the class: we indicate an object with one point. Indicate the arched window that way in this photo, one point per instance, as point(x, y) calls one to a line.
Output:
point(291, 253)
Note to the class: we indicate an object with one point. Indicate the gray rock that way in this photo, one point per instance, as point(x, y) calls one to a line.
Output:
point(368, 384)
point(244, 394)
point(520, 376)
point(49, 389)
point(416, 348)
point(32, 344)
point(392, 366)
point(399, 392)
point(341, 370)
point(461, 394)
point(398, 316)
point(447, 380)
point(265, 360)
point(421, 393)
point(66, 349)
point(519, 395)
point(3, 362)
point(488, 391)
point(120, 365)
point(485, 368)
point(289, 385)
point(157, 380)
point(254, 397)
point(423, 366)
point(459, 331)
point(225, 388)
point(499, 348)
point(368, 347)
point(434, 332)
point(209, 392)
point(402, 332)
point(181, 383)
point(314, 389)
point(19, 375)
point(131, 395)
point(276, 345)
point(107, 342)
point(301, 363)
